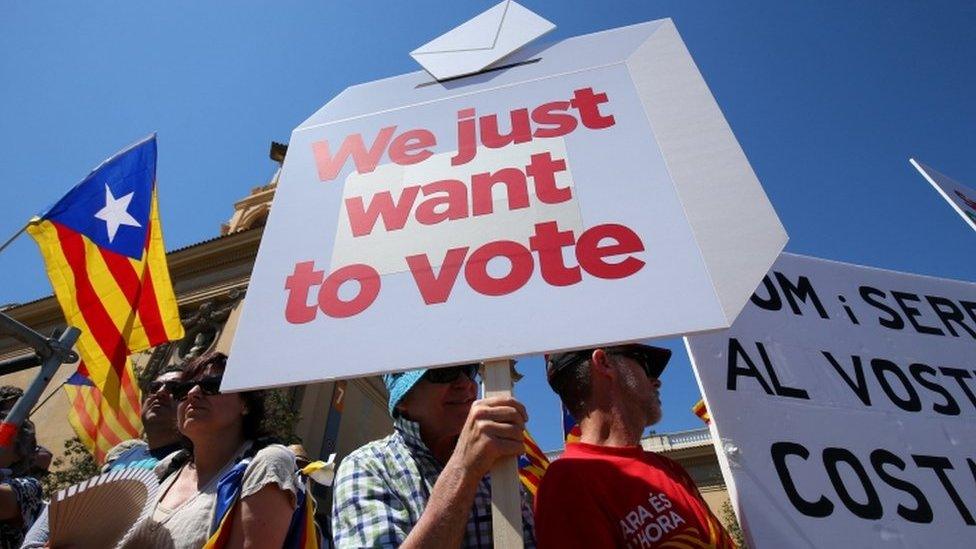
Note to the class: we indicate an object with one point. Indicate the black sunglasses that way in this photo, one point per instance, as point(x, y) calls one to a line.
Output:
point(209, 386)
point(452, 373)
point(156, 386)
point(639, 359)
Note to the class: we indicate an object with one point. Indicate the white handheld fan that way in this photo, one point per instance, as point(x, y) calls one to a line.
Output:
point(102, 510)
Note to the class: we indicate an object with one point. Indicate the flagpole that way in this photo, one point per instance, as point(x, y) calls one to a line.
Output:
point(14, 237)
point(47, 398)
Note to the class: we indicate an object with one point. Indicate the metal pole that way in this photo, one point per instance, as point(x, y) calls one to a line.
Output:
point(13, 365)
point(42, 345)
point(47, 398)
point(54, 352)
point(12, 238)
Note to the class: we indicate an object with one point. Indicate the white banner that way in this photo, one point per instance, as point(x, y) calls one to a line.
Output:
point(845, 400)
point(548, 205)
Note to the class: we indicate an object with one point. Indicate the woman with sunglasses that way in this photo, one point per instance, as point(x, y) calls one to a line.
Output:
point(220, 430)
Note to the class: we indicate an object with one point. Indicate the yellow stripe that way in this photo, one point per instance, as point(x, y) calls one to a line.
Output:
point(675, 544)
point(125, 318)
point(109, 408)
point(692, 540)
point(102, 415)
point(126, 405)
point(75, 421)
point(712, 531)
point(97, 445)
point(63, 283)
point(120, 401)
point(163, 286)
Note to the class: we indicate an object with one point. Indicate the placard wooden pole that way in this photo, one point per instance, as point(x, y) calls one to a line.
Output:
point(506, 502)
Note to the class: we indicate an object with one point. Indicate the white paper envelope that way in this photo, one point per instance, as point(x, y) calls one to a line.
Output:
point(479, 42)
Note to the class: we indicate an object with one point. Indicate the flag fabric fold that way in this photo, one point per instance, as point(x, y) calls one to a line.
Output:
point(104, 253)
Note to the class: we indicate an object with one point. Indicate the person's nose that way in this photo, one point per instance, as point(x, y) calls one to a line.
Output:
point(656, 383)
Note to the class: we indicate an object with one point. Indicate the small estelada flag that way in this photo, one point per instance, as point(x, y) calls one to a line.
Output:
point(571, 429)
point(701, 411)
point(532, 464)
point(102, 421)
point(960, 197)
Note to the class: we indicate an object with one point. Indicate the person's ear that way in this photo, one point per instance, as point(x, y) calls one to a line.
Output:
point(600, 364)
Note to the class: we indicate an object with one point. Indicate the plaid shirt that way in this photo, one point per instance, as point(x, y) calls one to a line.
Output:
point(382, 488)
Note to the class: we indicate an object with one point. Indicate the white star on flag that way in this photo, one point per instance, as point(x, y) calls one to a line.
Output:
point(115, 213)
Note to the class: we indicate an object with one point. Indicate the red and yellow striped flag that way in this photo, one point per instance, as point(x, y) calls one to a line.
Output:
point(104, 253)
point(103, 420)
point(532, 464)
point(701, 411)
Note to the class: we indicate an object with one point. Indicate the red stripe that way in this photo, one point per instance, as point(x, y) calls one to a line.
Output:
point(131, 392)
point(149, 311)
point(104, 431)
point(96, 433)
point(534, 480)
point(102, 328)
point(82, 413)
point(138, 293)
point(120, 417)
point(537, 462)
point(532, 448)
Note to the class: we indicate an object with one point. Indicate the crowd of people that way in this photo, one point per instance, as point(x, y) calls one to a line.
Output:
point(225, 483)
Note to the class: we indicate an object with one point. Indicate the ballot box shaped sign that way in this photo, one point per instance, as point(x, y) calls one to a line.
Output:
point(844, 400)
point(583, 192)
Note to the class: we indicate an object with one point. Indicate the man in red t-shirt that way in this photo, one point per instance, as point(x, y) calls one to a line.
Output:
point(605, 490)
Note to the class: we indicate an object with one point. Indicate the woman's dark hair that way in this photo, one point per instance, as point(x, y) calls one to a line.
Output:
point(196, 369)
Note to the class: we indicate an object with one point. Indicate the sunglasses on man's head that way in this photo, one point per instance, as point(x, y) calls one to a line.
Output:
point(452, 373)
point(208, 386)
point(156, 386)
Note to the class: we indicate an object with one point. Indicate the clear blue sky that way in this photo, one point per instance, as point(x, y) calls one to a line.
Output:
point(828, 99)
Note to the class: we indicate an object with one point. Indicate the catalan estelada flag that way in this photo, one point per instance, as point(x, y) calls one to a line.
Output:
point(532, 464)
point(571, 430)
point(104, 252)
point(102, 422)
point(701, 411)
point(302, 532)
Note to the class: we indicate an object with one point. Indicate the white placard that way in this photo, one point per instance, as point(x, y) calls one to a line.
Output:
point(550, 205)
point(960, 197)
point(845, 400)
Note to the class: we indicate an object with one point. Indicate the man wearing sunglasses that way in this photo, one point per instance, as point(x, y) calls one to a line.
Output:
point(158, 423)
point(606, 490)
point(162, 438)
point(426, 484)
